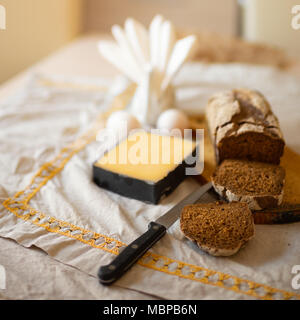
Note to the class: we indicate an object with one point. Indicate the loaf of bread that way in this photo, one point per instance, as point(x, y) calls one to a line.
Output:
point(243, 126)
point(258, 184)
point(219, 229)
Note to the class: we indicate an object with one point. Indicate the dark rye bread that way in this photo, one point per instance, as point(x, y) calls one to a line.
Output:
point(243, 126)
point(256, 183)
point(219, 229)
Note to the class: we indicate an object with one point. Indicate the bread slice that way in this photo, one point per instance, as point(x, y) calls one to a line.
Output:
point(219, 229)
point(256, 183)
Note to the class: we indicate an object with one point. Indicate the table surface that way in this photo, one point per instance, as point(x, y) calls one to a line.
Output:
point(26, 279)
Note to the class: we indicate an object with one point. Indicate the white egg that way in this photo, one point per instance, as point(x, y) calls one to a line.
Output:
point(122, 122)
point(173, 119)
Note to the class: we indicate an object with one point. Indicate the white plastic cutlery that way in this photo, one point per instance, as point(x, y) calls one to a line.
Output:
point(127, 50)
point(138, 37)
point(114, 55)
point(154, 35)
point(180, 54)
point(167, 41)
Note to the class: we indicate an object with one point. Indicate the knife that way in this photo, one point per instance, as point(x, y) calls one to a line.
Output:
point(156, 230)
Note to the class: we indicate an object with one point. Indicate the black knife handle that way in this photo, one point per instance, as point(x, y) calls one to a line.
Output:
point(135, 250)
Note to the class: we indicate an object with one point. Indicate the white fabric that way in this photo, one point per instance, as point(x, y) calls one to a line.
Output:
point(39, 120)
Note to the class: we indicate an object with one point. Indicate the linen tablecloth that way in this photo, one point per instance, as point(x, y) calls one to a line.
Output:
point(47, 148)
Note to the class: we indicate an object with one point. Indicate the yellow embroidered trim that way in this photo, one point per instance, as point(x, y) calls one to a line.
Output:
point(214, 278)
point(18, 205)
point(51, 224)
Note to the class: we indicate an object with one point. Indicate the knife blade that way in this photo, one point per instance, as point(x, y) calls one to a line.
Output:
point(108, 274)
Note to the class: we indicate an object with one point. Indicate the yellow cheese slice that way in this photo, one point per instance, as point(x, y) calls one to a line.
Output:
point(147, 156)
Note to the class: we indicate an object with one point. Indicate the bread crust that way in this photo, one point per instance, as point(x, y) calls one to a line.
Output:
point(220, 252)
point(254, 202)
point(240, 122)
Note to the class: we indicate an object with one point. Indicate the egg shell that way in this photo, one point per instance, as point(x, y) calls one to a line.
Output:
point(173, 119)
point(119, 120)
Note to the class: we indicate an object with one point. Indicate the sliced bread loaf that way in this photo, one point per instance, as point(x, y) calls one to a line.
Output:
point(220, 229)
point(243, 126)
point(256, 183)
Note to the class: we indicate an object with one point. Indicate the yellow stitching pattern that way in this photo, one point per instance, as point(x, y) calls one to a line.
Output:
point(214, 278)
point(18, 205)
point(51, 224)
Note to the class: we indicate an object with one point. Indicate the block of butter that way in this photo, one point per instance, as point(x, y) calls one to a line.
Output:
point(145, 166)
